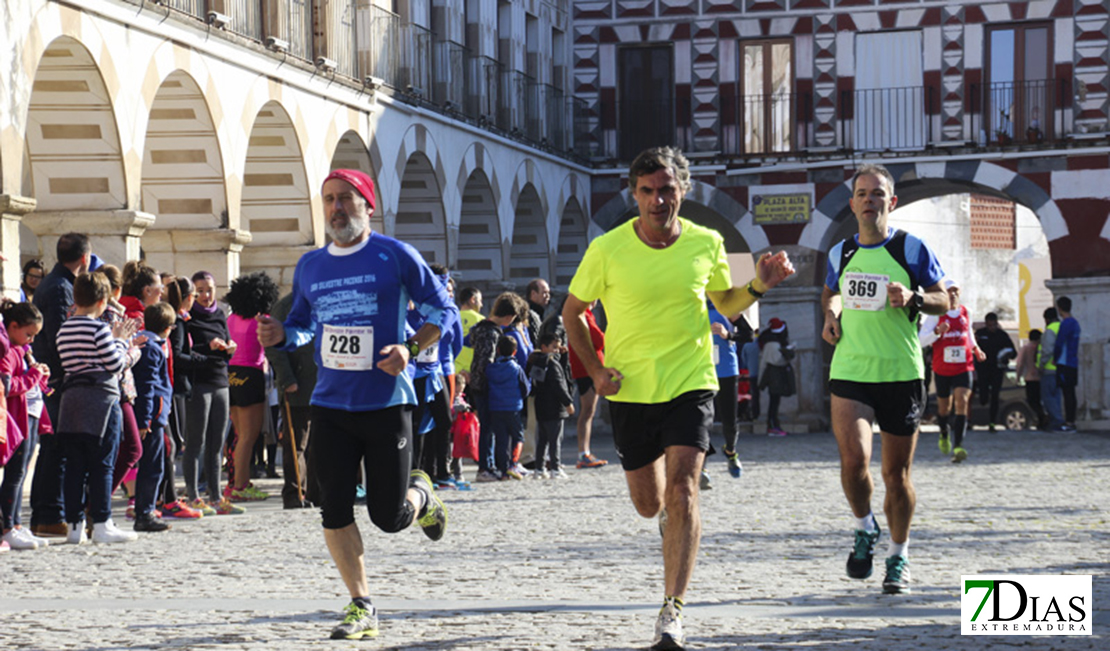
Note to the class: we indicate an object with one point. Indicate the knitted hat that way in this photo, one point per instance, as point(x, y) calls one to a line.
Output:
point(360, 180)
point(777, 325)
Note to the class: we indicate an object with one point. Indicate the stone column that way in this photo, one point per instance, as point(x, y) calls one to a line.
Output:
point(185, 252)
point(800, 308)
point(116, 235)
point(12, 210)
point(1090, 307)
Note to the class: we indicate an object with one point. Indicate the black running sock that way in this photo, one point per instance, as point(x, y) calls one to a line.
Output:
point(959, 428)
point(943, 422)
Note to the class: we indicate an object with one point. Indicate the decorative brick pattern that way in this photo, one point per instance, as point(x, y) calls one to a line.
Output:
point(993, 223)
point(1092, 73)
point(824, 80)
point(705, 100)
point(953, 89)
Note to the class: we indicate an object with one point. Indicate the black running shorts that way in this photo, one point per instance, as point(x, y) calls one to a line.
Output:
point(897, 405)
point(945, 383)
point(642, 432)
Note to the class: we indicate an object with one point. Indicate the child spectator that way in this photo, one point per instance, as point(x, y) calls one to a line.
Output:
point(554, 404)
point(180, 295)
point(22, 321)
point(508, 387)
point(92, 354)
point(152, 410)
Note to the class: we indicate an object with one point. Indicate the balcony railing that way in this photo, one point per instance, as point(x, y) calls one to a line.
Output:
point(785, 124)
point(366, 41)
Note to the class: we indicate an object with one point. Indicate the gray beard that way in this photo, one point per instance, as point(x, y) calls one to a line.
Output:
point(354, 228)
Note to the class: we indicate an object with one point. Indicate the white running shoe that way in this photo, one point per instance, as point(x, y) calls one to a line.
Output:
point(668, 628)
point(76, 535)
point(107, 532)
point(20, 539)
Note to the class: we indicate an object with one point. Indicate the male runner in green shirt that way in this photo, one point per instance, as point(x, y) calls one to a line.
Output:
point(653, 274)
point(871, 301)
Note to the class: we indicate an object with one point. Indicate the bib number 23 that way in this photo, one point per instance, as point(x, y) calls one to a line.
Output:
point(348, 348)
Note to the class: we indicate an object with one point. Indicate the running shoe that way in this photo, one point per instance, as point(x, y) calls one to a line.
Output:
point(668, 627)
point(662, 522)
point(248, 493)
point(557, 473)
point(539, 473)
point(775, 431)
point(513, 473)
point(734, 467)
point(130, 512)
point(897, 580)
point(944, 444)
point(958, 455)
point(225, 507)
point(705, 482)
point(180, 509)
point(590, 461)
point(485, 476)
point(434, 520)
point(860, 559)
point(204, 507)
point(357, 624)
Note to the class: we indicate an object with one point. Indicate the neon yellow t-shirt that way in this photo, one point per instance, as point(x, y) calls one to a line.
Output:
point(658, 335)
point(466, 355)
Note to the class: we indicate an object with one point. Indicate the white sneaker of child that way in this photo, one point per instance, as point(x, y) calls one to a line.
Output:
point(107, 532)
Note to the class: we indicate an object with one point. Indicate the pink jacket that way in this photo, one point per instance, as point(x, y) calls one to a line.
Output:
point(23, 379)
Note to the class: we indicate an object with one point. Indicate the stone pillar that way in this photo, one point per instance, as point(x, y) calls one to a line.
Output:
point(1090, 307)
point(185, 252)
point(800, 308)
point(116, 235)
point(278, 262)
point(12, 210)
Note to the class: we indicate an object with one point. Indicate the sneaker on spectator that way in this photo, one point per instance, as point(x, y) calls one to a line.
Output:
point(107, 532)
point(150, 524)
point(41, 542)
point(225, 507)
point(590, 461)
point(539, 474)
point(557, 473)
point(77, 534)
point(248, 493)
point(4, 546)
point(204, 507)
point(19, 539)
point(180, 509)
point(515, 471)
point(487, 476)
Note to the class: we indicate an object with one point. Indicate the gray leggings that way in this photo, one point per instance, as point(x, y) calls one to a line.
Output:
point(206, 418)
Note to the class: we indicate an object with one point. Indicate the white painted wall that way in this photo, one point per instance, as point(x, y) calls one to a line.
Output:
point(989, 278)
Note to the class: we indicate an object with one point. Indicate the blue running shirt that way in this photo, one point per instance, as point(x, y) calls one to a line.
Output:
point(353, 302)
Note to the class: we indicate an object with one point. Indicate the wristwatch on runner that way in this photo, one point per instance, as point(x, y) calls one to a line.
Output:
point(918, 300)
point(414, 348)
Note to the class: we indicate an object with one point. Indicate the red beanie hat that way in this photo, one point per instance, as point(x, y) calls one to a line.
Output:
point(362, 182)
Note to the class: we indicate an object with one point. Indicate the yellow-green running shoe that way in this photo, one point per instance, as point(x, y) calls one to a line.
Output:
point(359, 623)
point(434, 520)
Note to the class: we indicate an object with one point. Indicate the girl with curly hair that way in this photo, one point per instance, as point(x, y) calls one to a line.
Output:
point(249, 296)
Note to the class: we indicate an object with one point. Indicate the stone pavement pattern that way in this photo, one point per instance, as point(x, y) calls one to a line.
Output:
point(569, 564)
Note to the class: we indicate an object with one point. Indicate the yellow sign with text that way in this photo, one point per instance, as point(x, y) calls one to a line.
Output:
point(782, 208)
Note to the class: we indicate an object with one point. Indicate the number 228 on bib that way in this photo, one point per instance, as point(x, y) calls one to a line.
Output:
point(347, 348)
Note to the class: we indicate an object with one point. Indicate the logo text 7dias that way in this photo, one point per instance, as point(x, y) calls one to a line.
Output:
point(1025, 604)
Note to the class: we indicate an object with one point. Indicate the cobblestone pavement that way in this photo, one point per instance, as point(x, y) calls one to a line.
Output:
point(569, 565)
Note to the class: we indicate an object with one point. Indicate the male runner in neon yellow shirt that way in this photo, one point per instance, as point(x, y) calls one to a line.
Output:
point(871, 300)
point(653, 274)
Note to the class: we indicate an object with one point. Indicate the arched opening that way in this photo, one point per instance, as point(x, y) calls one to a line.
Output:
point(421, 221)
point(275, 206)
point(479, 232)
point(351, 153)
point(573, 240)
point(73, 155)
point(529, 257)
point(183, 175)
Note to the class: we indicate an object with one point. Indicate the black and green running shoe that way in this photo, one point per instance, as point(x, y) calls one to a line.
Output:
point(860, 559)
point(434, 519)
point(897, 579)
point(359, 623)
